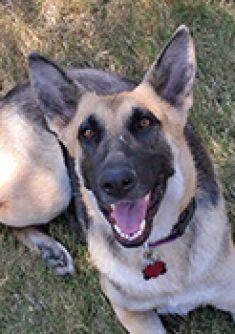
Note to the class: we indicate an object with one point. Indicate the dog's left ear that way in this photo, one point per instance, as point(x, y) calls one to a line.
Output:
point(172, 74)
point(57, 94)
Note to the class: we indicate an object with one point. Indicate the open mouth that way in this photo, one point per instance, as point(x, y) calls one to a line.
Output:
point(131, 221)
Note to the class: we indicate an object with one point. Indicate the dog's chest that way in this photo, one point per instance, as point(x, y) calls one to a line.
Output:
point(125, 282)
point(168, 293)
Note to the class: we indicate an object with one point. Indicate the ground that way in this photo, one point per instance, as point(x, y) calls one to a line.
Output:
point(121, 36)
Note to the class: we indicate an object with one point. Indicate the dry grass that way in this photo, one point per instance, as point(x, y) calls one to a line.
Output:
point(123, 36)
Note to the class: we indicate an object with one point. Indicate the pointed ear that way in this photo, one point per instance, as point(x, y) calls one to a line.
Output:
point(173, 72)
point(57, 94)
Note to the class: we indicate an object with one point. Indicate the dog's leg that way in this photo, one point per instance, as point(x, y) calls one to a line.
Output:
point(147, 322)
point(225, 298)
point(136, 322)
point(54, 255)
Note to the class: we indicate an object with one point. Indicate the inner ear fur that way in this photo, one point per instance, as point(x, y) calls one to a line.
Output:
point(172, 74)
point(56, 93)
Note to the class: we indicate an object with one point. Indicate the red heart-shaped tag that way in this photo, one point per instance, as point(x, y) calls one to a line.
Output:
point(154, 270)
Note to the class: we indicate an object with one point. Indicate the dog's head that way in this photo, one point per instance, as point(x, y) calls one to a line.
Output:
point(130, 145)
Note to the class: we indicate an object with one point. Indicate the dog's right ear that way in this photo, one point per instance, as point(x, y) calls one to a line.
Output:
point(56, 93)
point(172, 74)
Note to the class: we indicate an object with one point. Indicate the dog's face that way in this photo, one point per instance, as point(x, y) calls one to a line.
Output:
point(127, 146)
point(125, 162)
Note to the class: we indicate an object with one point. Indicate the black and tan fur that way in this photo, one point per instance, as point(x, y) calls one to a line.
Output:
point(201, 264)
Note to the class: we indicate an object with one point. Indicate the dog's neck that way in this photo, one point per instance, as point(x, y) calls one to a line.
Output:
point(179, 228)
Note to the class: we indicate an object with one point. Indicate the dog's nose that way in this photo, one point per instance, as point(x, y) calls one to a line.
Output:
point(117, 182)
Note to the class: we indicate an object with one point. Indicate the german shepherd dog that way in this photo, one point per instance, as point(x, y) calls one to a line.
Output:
point(158, 231)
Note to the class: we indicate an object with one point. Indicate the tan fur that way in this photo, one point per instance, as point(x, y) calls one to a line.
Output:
point(34, 176)
point(34, 185)
point(139, 322)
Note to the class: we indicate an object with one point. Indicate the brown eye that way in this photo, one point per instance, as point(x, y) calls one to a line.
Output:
point(145, 123)
point(88, 133)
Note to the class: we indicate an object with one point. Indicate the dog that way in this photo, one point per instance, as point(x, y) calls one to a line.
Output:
point(158, 231)
point(35, 184)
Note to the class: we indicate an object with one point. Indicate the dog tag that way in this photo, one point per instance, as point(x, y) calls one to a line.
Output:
point(155, 269)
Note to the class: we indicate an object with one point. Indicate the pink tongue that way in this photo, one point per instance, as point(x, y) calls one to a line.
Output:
point(129, 216)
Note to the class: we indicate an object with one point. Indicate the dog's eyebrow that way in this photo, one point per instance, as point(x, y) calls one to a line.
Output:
point(91, 121)
point(138, 113)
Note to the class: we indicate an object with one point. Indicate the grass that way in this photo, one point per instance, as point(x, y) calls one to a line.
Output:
point(123, 36)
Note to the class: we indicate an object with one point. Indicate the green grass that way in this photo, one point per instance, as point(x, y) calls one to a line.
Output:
point(123, 36)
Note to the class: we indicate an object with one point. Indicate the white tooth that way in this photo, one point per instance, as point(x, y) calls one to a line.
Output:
point(147, 197)
point(142, 226)
point(117, 229)
point(122, 235)
point(134, 236)
point(130, 237)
